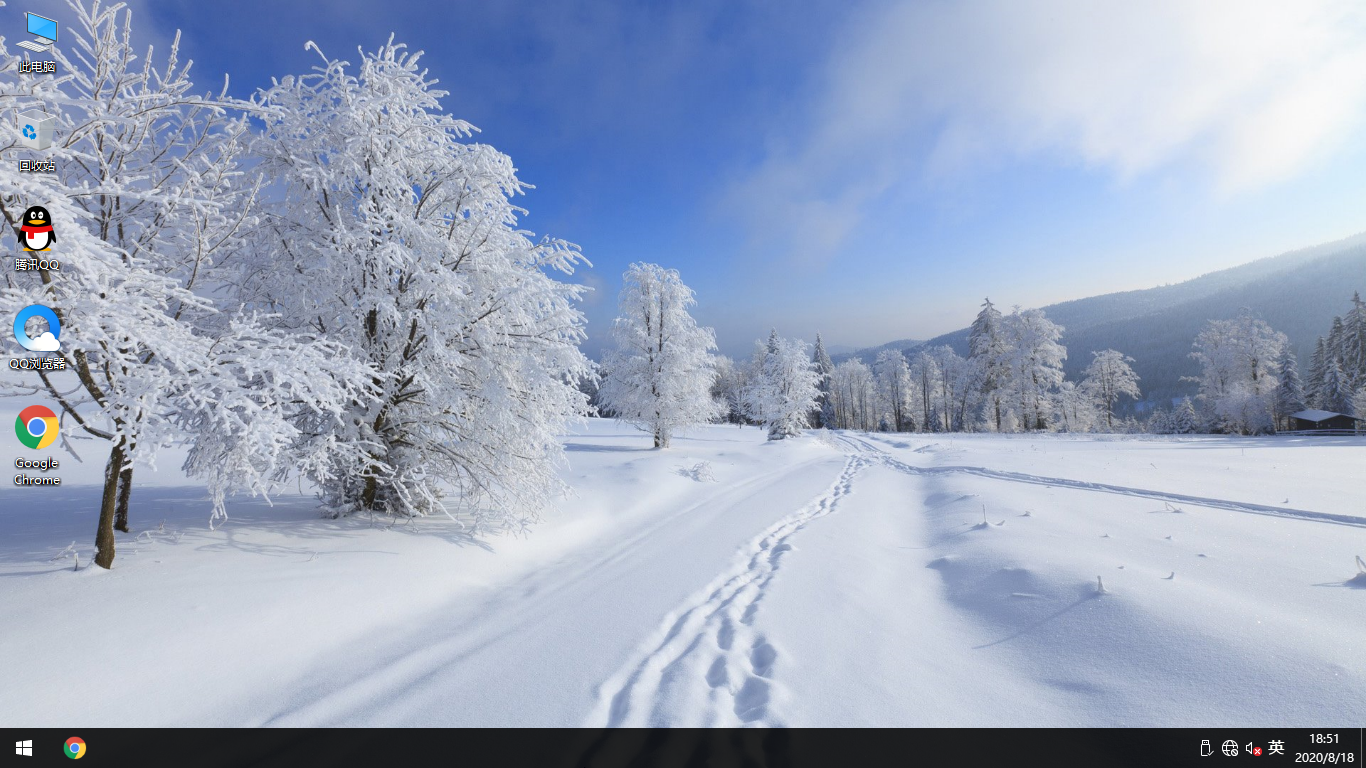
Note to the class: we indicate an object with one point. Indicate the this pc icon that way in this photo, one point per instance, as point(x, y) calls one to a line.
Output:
point(45, 31)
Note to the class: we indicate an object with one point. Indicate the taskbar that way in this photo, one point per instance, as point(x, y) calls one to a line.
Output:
point(643, 748)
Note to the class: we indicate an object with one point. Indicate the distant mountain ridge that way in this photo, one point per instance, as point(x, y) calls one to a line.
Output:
point(1297, 293)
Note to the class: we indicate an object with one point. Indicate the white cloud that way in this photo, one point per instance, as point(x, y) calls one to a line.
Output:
point(46, 342)
point(1244, 93)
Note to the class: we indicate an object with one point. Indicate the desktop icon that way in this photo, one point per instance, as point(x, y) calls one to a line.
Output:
point(37, 428)
point(36, 232)
point(35, 129)
point(75, 748)
point(44, 31)
point(46, 341)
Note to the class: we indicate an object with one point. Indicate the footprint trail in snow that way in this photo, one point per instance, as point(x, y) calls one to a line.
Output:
point(708, 665)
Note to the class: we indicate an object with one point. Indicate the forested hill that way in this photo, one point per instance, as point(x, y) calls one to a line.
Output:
point(1297, 293)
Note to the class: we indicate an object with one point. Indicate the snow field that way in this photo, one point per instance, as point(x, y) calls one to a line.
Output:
point(835, 579)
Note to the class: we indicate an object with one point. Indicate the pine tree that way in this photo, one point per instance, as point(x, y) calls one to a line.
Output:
point(1336, 395)
point(1354, 343)
point(1184, 420)
point(1318, 372)
point(661, 370)
point(824, 415)
point(987, 349)
point(784, 386)
point(1290, 394)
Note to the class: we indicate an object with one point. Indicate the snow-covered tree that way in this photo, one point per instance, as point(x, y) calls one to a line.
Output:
point(1079, 410)
point(854, 392)
point(1318, 371)
point(1159, 422)
point(1107, 378)
point(150, 202)
point(1238, 371)
point(824, 415)
point(1336, 393)
point(893, 388)
point(1290, 390)
point(728, 388)
point(784, 386)
point(954, 387)
point(1353, 344)
point(988, 350)
point(1184, 419)
point(1359, 404)
point(397, 237)
point(925, 376)
point(1035, 364)
point(661, 372)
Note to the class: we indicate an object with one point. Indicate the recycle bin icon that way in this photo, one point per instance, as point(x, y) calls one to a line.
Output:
point(35, 129)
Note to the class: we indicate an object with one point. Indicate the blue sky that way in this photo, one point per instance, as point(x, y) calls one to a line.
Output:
point(872, 170)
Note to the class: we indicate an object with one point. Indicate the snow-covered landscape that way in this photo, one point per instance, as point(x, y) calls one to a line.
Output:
point(328, 412)
point(835, 579)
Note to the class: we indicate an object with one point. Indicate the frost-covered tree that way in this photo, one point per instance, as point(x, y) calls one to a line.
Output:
point(661, 371)
point(1108, 378)
point(1159, 422)
point(1336, 393)
point(1290, 390)
point(854, 391)
point(1035, 359)
point(988, 350)
point(1353, 344)
point(784, 386)
point(150, 201)
point(1079, 410)
point(1359, 404)
point(953, 387)
point(1238, 371)
point(396, 236)
point(1184, 419)
point(925, 376)
point(893, 388)
point(728, 388)
point(1318, 371)
point(824, 415)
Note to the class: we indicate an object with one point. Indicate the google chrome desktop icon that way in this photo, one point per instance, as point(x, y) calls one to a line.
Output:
point(36, 427)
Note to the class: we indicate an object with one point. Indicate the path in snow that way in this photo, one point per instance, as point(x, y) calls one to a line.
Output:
point(710, 663)
point(710, 667)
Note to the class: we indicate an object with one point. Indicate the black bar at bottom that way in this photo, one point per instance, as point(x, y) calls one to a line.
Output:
point(685, 747)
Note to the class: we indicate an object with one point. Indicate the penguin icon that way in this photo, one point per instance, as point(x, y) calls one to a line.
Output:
point(36, 229)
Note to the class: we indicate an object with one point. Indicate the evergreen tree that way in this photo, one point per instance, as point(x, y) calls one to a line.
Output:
point(1354, 343)
point(824, 415)
point(1290, 394)
point(987, 348)
point(783, 387)
point(1337, 392)
point(1318, 373)
point(1184, 420)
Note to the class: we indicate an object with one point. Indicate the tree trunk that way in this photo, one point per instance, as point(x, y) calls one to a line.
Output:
point(661, 439)
point(125, 490)
point(104, 534)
